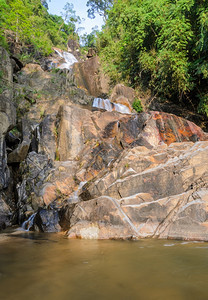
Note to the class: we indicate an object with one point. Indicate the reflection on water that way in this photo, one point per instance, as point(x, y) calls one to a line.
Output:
point(39, 266)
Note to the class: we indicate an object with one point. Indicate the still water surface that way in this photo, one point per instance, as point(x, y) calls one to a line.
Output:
point(50, 267)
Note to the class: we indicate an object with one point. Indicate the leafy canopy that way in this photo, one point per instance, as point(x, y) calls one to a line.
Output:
point(159, 44)
point(98, 6)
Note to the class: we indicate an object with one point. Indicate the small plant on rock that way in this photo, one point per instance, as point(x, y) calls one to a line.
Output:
point(57, 155)
point(137, 105)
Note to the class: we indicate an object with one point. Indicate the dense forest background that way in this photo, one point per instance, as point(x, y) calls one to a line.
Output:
point(159, 45)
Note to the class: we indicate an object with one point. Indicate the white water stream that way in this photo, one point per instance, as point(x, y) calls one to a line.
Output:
point(28, 224)
point(74, 198)
point(109, 106)
point(69, 58)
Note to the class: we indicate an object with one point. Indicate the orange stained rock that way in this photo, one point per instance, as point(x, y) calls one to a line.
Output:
point(90, 174)
point(49, 194)
point(65, 186)
point(173, 128)
point(128, 139)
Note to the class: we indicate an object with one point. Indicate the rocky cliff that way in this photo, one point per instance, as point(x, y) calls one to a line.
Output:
point(93, 173)
point(7, 121)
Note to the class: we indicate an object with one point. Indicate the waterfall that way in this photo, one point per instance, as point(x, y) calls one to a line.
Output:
point(109, 106)
point(28, 224)
point(69, 58)
point(122, 108)
point(74, 198)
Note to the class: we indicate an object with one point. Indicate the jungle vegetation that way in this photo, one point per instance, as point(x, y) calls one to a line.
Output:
point(29, 22)
point(161, 45)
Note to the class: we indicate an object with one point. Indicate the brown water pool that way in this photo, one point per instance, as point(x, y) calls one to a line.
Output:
point(49, 267)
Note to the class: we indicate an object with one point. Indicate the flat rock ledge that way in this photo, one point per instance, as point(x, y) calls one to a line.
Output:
point(159, 193)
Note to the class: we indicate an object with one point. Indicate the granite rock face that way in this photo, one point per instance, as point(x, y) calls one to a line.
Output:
point(123, 95)
point(161, 193)
point(96, 139)
point(88, 76)
point(7, 121)
point(5, 213)
point(35, 170)
point(123, 176)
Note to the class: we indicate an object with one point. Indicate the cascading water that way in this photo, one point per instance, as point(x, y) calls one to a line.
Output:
point(28, 224)
point(74, 198)
point(69, 58)
point(109, 106)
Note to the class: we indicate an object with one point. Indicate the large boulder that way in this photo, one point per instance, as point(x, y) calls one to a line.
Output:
point(74, 48)
point(47, 220)
point(90, 143)
point(89, 77)
point(35, 170)
point(149, 193)
point(75, 128)
point(123, 95)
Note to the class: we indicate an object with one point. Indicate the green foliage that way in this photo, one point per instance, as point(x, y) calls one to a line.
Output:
point(98, 6)
point(31, 24)
point(25, 58)
point(57, 155)
point(15, 131)
point(203, 104)
point(89, 40)
point(137, 105)
point(159, 44)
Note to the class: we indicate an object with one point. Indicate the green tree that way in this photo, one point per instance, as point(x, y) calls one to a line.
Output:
point(98, 6)
point(4, 9)
point(159, 44)
point(89, 40)
point(69, 16)
point(44, 3)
